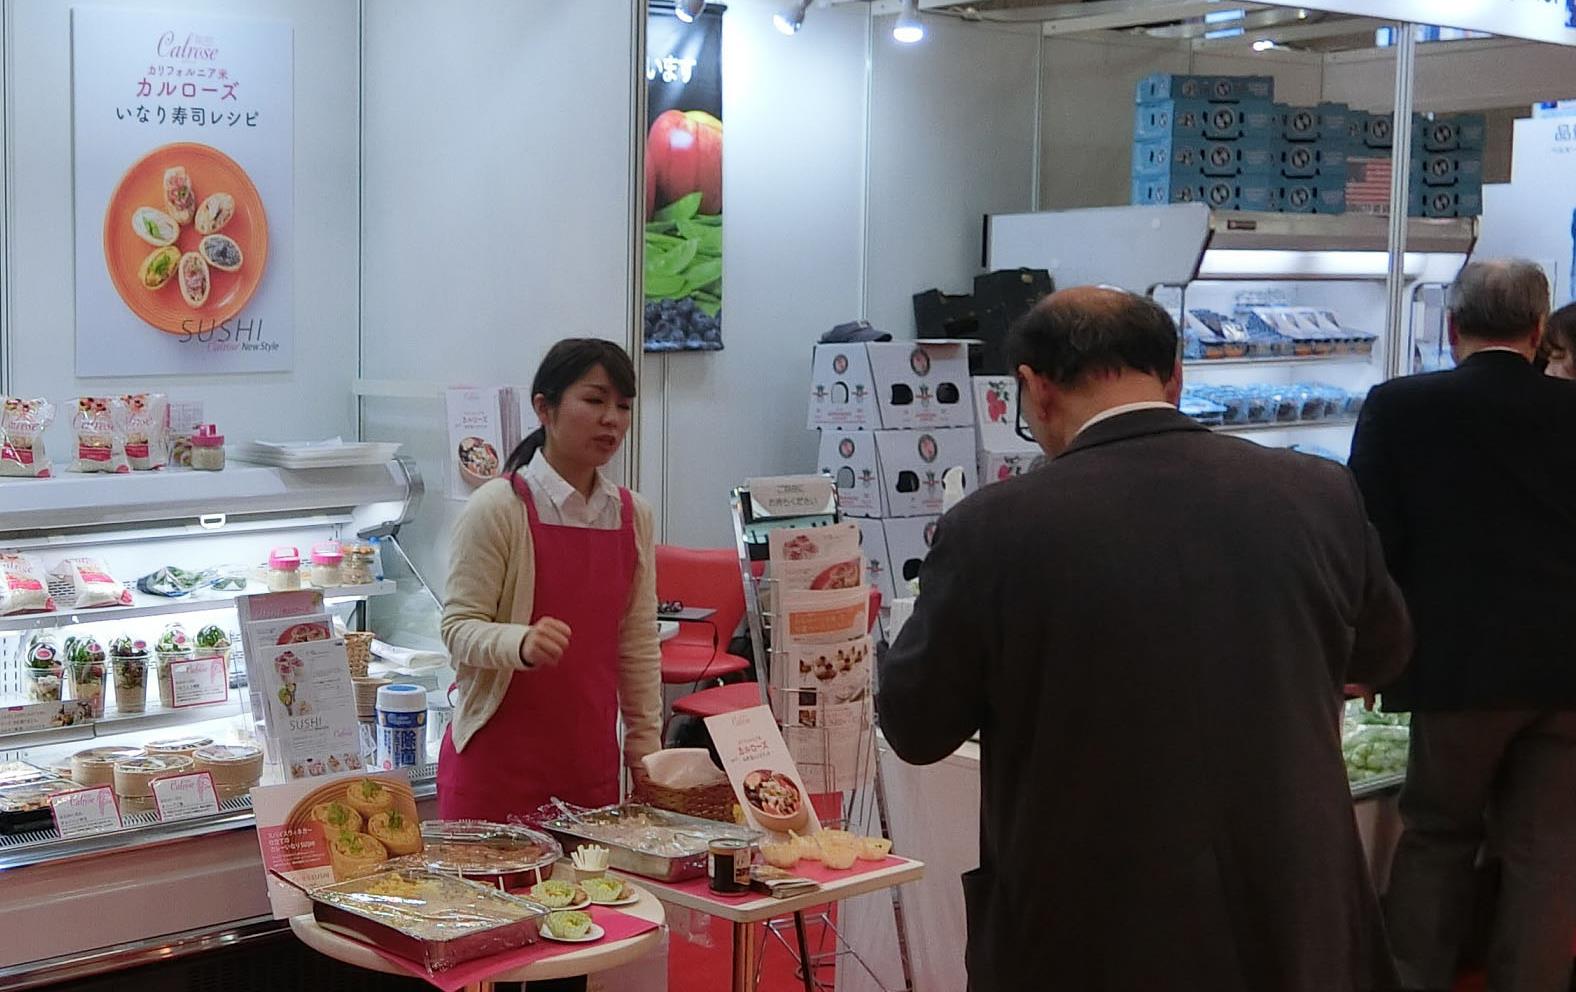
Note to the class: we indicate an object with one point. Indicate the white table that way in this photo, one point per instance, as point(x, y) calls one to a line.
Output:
point(586, 960)
point(667, 629)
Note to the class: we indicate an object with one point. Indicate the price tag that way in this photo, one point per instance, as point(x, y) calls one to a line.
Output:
point(86, 811)
point(199, 682)
point(181, 797)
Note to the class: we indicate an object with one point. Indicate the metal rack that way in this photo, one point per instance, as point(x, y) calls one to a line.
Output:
point(864, 792)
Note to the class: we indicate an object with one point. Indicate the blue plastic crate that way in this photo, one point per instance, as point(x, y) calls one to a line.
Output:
point(1446, 202)
point(1219, 194)
point(1215, 89)
point(1200, 157)
point(1448, 168)
point(1311, 197)
point(1449, 132)
point(1310, 160)
point(1178, 119)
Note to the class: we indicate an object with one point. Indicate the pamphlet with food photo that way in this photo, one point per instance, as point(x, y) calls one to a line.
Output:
point(763, 774)
point(821, 617)
point(476, 438)
point(834, 542)
point(184, 177)
point(317, 833)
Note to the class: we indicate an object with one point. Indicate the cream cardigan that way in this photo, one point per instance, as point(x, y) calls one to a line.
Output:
point(492, 586)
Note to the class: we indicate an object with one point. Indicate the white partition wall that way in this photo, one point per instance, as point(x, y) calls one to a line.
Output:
point(313, 400)
point(496, 215)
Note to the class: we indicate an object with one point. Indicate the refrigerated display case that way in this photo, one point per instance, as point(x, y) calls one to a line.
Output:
point(199, 877)
point(1283, 315)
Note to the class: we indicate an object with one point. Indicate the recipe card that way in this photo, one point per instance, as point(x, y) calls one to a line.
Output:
point(319, 832)
point(763, 774)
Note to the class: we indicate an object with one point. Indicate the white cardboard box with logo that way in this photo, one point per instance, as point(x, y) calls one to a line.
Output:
point(842, 390)
point(908, 543)
point(849, 457)
point(1002, 453)
point(921, 385)
point(913, 463)
point(878, 566)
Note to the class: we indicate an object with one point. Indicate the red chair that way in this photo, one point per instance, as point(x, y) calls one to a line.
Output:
point(701, 579)
point(743, 695)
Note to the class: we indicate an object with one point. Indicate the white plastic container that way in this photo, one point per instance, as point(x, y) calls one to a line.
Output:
point(402, 726)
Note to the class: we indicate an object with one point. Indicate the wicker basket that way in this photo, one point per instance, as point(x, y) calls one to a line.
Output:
point(712, 802)
point(358, 652)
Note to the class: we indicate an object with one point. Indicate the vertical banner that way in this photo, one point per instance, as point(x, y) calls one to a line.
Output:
point(683, 250)
point(183, 159)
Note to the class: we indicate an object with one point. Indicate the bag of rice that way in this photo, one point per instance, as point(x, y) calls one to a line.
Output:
point(100, 435)
point(22, 585)
point(146, 425)
point(22, 426)
point(93, 584)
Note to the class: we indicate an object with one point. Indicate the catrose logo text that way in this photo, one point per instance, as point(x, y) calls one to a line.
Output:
point(196, 48)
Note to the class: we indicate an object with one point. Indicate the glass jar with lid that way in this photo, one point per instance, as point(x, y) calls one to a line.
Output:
point(327, 560)
point(208, 449)
point(284, 570)
point(359, 565)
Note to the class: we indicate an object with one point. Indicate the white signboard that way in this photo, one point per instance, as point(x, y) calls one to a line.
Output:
point(184, 213)
point(1534, 215)
point(1552, 21)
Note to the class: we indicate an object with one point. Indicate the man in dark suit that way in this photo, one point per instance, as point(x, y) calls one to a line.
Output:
point(1470, 475)
point(1150, 634)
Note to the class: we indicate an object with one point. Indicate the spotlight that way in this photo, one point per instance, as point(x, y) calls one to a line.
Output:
point(688, 10)
point(1263, 45)
point(791, 18)
point(909, 29)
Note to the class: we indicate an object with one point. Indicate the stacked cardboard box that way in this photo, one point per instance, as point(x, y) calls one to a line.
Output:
point(1447, 164)
point(895, 418)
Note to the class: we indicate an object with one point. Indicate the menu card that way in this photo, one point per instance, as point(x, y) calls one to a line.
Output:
point(298, 823)
point(86, 811)
point(300, 681)
point(763, 774)
point(181, 797)
point(199, 682)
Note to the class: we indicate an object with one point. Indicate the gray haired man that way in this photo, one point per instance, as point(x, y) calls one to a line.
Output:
point(1470, 477)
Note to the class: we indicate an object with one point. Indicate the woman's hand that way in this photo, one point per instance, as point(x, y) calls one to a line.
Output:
point(544, 643)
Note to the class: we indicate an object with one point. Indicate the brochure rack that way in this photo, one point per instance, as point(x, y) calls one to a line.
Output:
point(858, 782)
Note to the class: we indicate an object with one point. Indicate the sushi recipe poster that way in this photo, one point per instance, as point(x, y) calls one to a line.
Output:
point(683, 209)
point(183, 128)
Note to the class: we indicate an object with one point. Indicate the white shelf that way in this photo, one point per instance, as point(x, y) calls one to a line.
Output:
point(72, 499)
point(1347, 359)
point(155, 717)
point(153, 606)
point(1296, 425)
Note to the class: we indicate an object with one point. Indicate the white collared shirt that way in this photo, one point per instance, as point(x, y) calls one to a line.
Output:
point(557, 502)
point(1117, 411)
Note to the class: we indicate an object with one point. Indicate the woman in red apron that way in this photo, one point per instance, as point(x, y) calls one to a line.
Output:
point(551, 608)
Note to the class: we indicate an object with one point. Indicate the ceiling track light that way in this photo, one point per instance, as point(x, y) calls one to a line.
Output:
point(909, 29)
point(688, 10)
point(791, 18)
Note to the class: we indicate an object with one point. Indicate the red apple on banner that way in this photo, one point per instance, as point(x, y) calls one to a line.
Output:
point(684, 151)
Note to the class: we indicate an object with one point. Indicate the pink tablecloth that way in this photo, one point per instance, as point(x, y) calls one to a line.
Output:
point(813, 870)
point(619, 926)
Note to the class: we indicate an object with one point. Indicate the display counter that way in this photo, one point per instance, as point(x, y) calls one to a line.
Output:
point(154, 889)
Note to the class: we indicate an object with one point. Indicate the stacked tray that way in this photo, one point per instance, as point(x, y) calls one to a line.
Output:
point(438, 920)
point(644, 840)
point(499, 854)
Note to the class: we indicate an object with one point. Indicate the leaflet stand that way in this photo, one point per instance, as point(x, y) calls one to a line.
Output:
point(752, 522)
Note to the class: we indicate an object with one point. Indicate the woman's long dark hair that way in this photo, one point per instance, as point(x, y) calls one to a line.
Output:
point(566, 362)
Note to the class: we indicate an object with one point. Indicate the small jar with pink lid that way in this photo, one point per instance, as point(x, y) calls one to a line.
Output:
point(208, 449)
point(284, 570)
point(327, 562)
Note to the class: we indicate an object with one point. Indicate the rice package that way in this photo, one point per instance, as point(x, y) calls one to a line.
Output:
point(99, 431)
point(23, 587)
point(22, 426)
point(92, 583)
point(146, 418)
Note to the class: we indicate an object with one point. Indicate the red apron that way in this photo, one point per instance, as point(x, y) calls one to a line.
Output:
point(556, 731)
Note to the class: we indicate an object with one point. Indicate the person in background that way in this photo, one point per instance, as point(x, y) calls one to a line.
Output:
point(1559, 343)
point(1468, 475)
point(551, 615)
point(1151, 634)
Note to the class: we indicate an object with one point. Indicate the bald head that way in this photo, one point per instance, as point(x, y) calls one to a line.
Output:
point(1500, 300)
point(1089, 330)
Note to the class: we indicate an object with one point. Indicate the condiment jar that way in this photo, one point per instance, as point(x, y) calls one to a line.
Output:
point(327, 572)
point(357, 569)
point(208, 449)
point(284, 570)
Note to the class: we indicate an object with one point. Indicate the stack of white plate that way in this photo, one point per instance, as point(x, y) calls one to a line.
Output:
point(332, 453)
